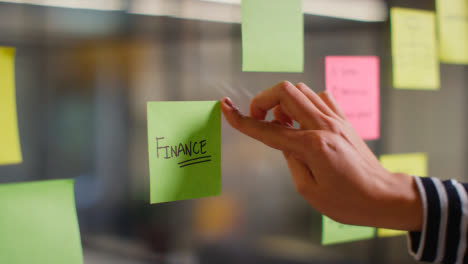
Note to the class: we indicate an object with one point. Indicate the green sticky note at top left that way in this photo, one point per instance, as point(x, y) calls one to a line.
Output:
point(184, 144)
point(272, 36)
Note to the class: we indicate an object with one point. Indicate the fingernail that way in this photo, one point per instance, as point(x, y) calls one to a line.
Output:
point(228, 101)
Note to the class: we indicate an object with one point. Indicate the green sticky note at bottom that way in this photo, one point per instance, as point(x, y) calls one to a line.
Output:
point(38, 223)
point(184, 144)
point(334, 232)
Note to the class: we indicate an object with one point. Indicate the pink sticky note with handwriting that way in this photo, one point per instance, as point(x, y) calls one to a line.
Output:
point(354, 83)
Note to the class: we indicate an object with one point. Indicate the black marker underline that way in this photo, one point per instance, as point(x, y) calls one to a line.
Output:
point(194, 159)
point(194, 163)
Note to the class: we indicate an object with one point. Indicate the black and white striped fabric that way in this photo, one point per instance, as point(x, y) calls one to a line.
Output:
point(443, 238)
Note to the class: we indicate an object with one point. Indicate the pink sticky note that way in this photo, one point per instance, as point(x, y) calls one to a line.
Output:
point(354, 83)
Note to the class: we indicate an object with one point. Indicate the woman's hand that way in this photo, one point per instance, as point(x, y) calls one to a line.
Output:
point(332, 167)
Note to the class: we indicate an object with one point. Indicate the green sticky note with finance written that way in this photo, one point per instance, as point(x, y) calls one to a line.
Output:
point(38, 223)
point(272, 36)
point(334, 232)
point(184, 144)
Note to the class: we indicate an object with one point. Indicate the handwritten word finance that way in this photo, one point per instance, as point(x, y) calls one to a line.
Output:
point(185, 149)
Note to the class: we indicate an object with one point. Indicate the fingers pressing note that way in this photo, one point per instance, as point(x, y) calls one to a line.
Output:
point(281, 94)
point(291, 100)
point(289, 103)
point(274, 135)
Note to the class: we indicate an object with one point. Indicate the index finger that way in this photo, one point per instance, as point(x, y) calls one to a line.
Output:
point(293, 101)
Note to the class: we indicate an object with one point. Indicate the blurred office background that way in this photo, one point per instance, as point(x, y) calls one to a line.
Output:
point(85, 70)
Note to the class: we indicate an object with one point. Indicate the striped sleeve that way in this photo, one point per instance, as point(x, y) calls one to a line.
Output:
point(443, 238)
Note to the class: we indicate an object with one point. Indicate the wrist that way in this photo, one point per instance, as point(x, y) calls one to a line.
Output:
point(401, 206)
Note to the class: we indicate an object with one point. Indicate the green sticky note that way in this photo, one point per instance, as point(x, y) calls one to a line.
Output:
point(184, 141)
point(10, 149)
point(409, 163)
point(334, 232)
point(452, 17)
point(414, 49)
point(272, 36)
point(38, 223)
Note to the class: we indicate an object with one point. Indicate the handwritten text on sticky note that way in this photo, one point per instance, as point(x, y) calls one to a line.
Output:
point(452, 16)
point(409, 163)
point(39, 223)
point(414, 49)
point(354, 83)
point(334, 232)
point(184, 141)
point(10, 149)
point(272, 36)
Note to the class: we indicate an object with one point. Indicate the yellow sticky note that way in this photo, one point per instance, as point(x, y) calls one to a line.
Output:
point(452, 17)
point(411, 164)
point(10, 149)
point(414, 49)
